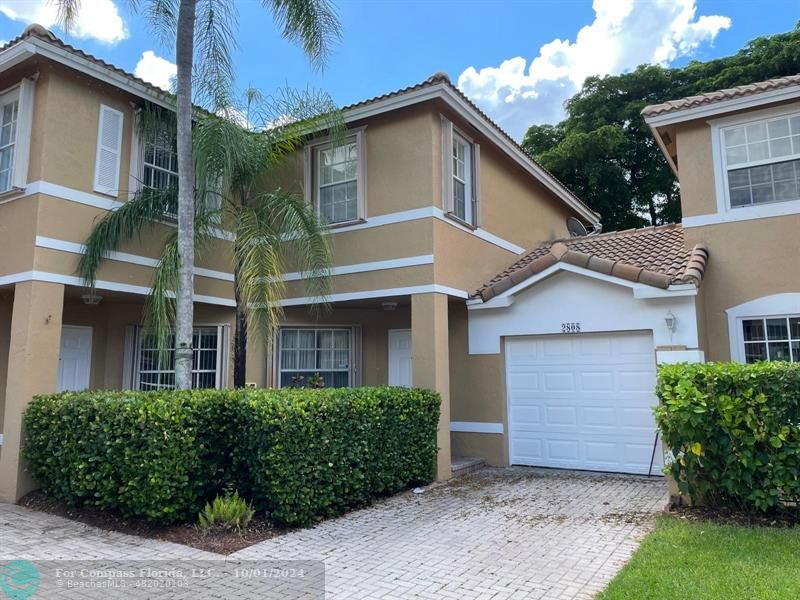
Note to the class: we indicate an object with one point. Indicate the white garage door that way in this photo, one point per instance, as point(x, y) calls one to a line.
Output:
point(582, 401)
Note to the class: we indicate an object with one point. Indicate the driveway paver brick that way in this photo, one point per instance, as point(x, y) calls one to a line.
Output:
point(495, 534)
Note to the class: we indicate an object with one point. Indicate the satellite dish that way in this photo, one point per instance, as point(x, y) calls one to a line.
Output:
point(575, 227)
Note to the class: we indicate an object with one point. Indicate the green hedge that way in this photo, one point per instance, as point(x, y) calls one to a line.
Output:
point(301, 454)
point(734, 431)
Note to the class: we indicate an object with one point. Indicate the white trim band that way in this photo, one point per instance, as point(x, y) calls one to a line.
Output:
point(378, 265)
point(368, 294)
point(112, 286)
point(475, 427)
point(134, 259)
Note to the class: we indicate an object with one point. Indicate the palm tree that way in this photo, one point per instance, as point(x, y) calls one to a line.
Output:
point(206, 28)
point(275, 230)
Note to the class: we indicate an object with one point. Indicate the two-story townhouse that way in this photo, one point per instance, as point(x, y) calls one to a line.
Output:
point(454, 268)
point(736, 153)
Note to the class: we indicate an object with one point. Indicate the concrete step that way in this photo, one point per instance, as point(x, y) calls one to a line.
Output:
point(461, 465)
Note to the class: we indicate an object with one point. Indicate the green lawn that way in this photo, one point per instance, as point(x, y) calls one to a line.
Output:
point(703, 561)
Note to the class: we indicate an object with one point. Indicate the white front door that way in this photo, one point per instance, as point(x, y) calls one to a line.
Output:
point(583, 401)
point(74, 362)
point(400, 357)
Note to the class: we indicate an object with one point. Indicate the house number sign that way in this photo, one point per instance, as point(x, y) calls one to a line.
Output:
point(570, 327)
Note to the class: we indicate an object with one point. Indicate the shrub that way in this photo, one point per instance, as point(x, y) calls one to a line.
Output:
point(303, 454)
point(315, 453)
point(227, 512)
point(734, 431)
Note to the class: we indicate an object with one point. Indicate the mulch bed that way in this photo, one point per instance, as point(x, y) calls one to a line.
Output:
point(727, 516)
point(188, 534)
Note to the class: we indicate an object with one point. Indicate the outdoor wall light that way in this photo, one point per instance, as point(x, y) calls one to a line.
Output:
point(388, 305)
point(670, 320)
point(91, 298)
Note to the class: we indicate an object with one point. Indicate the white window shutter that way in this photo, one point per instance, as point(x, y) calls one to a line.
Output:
point(109, 151)
point(447, 166)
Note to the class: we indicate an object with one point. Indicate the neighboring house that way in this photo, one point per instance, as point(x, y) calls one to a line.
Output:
point(454, 270)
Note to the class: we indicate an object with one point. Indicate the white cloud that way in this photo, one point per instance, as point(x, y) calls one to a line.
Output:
point(156, 70)
point(623, 35)
point(97, 19)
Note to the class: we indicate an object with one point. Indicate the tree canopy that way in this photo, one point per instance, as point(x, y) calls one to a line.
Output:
point(604, 151)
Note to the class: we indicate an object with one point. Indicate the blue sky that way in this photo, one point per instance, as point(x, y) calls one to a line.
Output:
point(486, 47)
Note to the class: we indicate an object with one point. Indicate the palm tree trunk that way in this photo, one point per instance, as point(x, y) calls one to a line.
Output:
point(184, 306)
point(240, 337)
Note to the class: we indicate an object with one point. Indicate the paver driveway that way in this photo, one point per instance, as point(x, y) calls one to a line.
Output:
point(497, 533)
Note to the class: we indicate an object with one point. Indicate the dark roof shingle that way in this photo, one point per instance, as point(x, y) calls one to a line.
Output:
point(654, 256)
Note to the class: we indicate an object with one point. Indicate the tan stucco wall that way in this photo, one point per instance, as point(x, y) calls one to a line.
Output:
point(748, 260)
point(696, 164)
point(477, 393)
point(70, 120)
point(17, 233)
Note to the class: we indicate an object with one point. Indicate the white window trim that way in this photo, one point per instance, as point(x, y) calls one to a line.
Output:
point(776, 305)
point(133, 349)
point(355, 350)
point(23, 93)
point(726, 213)
point(310, 177)
point(449, 130)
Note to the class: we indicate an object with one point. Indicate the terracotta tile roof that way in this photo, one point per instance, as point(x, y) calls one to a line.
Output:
point(721, 95)
point(654, 256)
point(37, 31)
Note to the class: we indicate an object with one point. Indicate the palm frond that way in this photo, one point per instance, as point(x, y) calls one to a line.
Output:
point(159, 307)
point(67, 12)
point(311, 23)
point(162, 18)
point(259, 268)
point(215, 41)
point(132, 219)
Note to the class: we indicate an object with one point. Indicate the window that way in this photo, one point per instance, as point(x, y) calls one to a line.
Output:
point(771, 338)
point(160, 165)
point(762, 161)
point(153, 373)
point(337, 177)
point(460, 170)
point(462, 179)
point(304, 352)
point(9, 110)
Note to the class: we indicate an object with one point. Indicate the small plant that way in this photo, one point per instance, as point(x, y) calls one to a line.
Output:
point(316, 381)
point(226, 512)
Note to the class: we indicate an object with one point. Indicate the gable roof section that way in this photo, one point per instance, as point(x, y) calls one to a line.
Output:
point(720, 101)
point(655, 256)
point(439, 86)
point(36, 40)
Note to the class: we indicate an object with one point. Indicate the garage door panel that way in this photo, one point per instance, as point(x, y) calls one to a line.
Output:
point(590, 403)
point(558, 382)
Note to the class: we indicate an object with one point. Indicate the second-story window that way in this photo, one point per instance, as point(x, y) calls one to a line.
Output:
point(462, 179)
point(762, 161)
point(160, 164)
point(9, 107)
point(460, 170)
point(338, 182)
point(335, 178)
